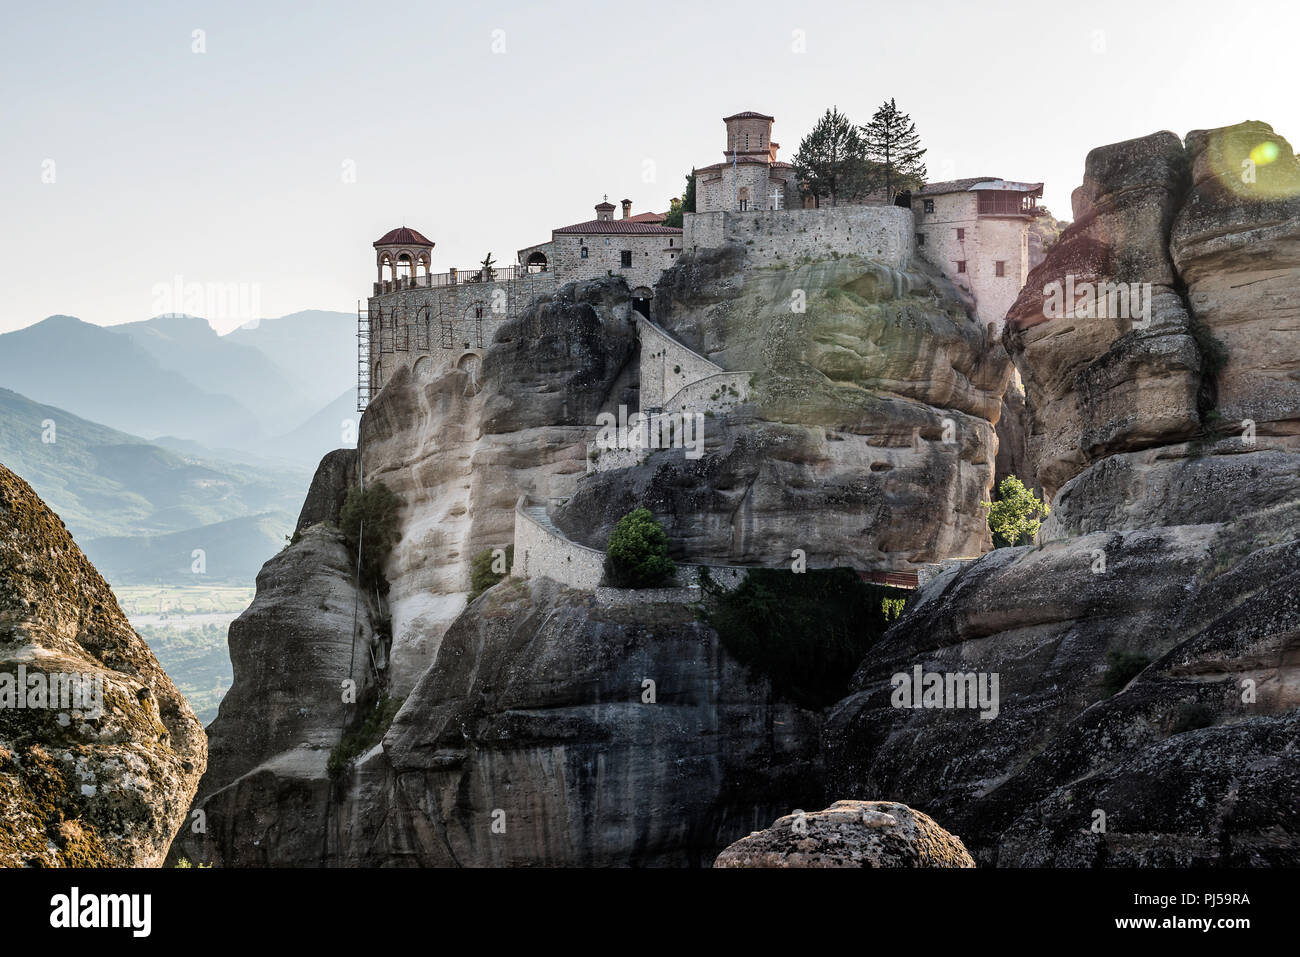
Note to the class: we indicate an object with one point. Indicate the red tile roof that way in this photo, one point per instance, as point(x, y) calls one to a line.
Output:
point(402, 236)
point(618, 226)
point(749, 115)
point(759, 159)
point(648, 218)
point(950, 186)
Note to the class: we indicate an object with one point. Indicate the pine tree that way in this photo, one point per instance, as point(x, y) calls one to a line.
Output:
point(684, 205)
point(894, 149)
point(831, 160)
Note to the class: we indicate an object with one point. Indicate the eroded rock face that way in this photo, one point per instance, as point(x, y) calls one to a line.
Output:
point(291, 653)
point(1013, 441)
point(1103, 385)
point(1236, 246)
point(869, 438)
point(1175, 540)
point(1215, 359)
point(529, 702)
point(536, 740)
point(850, 834)
point(459, 451)
point(82, 787)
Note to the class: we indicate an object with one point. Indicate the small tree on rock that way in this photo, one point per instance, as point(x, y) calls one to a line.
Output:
point(637, 553)
point(368, 519)
point(489, 567)
point(1015, 517)
point(686, 204)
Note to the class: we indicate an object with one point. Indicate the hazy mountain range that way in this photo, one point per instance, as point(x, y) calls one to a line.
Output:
point(157, 438)
point(173, 378)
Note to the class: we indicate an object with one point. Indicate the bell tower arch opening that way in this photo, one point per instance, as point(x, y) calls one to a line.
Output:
point(401, 253)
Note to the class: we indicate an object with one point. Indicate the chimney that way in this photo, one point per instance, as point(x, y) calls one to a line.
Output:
point(627, 208)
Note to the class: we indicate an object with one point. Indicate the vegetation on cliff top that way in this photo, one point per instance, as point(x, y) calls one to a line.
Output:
point(806, 633)
point(637, 553)
point(487, 568)
point(1015, 517)
point(843, 162)
point(368, 519)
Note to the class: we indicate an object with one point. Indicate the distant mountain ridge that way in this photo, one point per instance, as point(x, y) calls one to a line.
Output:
point(92, 371)
point(121, 496)
point(174, 379)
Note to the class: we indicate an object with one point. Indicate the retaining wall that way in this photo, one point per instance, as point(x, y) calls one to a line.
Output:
point(884, 234)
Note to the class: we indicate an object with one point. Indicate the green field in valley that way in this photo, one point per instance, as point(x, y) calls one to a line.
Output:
point(186, 627)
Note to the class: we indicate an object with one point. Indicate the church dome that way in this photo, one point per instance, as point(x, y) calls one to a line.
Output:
point(403, 236)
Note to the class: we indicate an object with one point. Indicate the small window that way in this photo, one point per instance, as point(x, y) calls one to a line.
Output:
point(929, 206)
point(478, 312)
point(584, 252)
point(999, 268)
point(961, 265)
point(626, 257)
point(961, 234)
point(670, 242)
point(920, 239)
point(746, 141)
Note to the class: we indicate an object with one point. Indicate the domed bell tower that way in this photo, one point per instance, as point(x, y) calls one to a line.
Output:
point(402, 258)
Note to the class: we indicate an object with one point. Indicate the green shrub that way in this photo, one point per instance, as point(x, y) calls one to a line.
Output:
point(370, 517)
point(1123, 668)
point(1016, 515)
point(481, 575)
point(1192, 715)
point(637, 553)
point(806, 633)
point(360, 740)
point(892, 607)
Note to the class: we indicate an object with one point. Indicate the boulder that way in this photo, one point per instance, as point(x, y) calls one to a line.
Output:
point(850, 834)
point(102, 779)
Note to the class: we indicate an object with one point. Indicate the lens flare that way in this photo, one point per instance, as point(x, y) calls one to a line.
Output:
point(1264, 153)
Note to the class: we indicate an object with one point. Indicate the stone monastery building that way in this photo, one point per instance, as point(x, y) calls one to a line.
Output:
point(750, 176)
point(974, 230)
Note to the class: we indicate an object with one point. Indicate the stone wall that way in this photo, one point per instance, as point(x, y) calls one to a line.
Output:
point(541, 551)
point(716, 393)
point(667, 366)
point(652, 253)
point(884, 234)
point(408, 325)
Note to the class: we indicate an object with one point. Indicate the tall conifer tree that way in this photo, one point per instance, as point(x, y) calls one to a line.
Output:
point(893, 149)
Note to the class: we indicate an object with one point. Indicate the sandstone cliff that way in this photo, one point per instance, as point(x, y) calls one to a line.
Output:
point(82, 787)
point(1174, 548)
point(524, 710)
point(868, 438)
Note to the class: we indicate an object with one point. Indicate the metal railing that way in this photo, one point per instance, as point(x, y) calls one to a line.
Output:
point(456, 277)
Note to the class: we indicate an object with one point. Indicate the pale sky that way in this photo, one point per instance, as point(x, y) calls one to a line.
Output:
point(484, 125)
